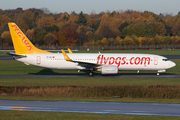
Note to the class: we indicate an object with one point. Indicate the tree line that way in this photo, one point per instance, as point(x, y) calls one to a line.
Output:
point(129, 27)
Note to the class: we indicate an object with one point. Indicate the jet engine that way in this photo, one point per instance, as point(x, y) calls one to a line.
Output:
point(109, 69)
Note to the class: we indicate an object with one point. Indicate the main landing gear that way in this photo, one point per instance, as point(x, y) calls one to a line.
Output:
point(91, 73)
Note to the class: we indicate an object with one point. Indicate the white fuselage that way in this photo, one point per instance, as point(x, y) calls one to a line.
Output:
point(123, 61)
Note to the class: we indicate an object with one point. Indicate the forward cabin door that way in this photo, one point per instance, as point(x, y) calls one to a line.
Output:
point(155, 60)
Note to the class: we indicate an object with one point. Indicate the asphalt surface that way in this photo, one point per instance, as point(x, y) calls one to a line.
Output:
point(161, 109)
point(6, 57)
point(167, 56)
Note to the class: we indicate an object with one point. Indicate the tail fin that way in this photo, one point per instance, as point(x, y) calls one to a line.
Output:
point(22, 44)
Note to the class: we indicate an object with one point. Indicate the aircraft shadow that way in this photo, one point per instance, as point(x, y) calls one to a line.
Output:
point(45, 72)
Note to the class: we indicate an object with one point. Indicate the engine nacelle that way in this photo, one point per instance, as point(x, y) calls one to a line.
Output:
point(109, 69)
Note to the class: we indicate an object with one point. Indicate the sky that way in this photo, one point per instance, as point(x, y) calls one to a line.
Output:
point(97, 6)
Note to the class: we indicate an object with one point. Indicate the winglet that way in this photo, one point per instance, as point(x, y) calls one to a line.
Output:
point(65, 56)
point(70, 50)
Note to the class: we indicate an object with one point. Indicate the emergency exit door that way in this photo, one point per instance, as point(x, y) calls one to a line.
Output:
point(38, 60)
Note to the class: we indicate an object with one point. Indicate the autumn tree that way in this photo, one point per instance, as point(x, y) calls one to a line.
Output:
point(118, 27)
point(89, 34)
point(51, 28)
point(29, 18)
point(128, 41)
point(174, 22)
point(39, 34)
point(144, 29)
point(167, 40)
point(168, 30)
point(71, 36)
point(5, 27)
point(118, 41)
point(22, 24)
point(61, 39)
point(106, 31)
point(30, 34)
point(3, 19)
point(142, 41)
point(73, 18)
point(104, 42)
point(6, 38)
point(50, 39)
point(104, 21)
point(45, 21)
point(82, 19)
point(122, 26)
point(82, 37)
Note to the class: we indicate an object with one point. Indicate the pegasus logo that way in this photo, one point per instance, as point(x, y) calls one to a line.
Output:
point(23, 38)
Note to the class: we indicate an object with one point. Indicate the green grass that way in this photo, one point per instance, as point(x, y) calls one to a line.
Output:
point(87, 81)
point(157, 52)
point(102, 99)
point(36, 115)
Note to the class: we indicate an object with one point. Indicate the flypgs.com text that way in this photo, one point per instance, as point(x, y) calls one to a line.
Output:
point(101, 59)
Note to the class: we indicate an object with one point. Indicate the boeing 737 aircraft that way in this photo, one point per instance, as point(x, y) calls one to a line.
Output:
point(105, 63)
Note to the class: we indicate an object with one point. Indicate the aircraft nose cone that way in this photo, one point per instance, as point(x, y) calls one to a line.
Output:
point(172, 64)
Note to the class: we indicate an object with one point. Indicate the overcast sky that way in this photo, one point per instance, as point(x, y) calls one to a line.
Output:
point(87, 6)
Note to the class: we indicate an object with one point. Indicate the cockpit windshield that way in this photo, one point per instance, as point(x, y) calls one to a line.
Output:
point(165, 59)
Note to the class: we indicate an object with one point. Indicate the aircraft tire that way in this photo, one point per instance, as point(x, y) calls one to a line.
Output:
point(91, 74)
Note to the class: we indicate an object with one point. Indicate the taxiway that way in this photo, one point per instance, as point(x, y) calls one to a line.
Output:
point(161, 109)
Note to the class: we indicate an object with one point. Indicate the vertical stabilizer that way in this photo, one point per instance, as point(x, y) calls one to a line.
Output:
point(22, 45)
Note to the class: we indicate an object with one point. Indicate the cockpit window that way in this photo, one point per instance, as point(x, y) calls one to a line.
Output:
point(165, 59)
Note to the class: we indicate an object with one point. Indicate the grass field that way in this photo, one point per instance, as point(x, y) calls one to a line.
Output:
point(35, 115)
point(87, 81)
point(157, 52)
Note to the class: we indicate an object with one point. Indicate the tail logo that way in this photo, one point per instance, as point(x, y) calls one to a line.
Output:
point(23, 38)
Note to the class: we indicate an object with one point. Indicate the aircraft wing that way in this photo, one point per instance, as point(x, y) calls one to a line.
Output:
point(83, 64)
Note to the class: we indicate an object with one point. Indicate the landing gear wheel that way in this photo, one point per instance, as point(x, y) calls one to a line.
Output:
point(91, 74)
point(157, 74)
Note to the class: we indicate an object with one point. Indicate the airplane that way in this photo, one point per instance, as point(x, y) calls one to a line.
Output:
point(106, 63)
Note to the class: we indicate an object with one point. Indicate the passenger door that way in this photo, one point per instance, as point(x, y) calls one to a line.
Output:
point(155, 60)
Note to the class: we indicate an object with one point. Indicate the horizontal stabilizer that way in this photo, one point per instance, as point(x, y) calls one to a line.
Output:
point(17, 55)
